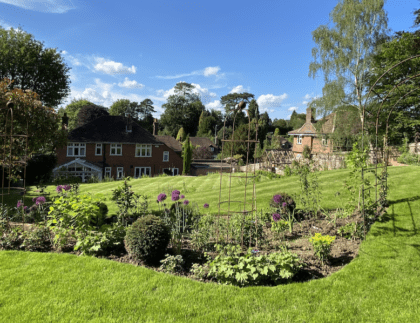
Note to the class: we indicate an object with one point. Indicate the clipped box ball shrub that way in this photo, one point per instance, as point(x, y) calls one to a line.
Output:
point(147, 239)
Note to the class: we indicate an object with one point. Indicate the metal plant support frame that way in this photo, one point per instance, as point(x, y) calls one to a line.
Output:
point(8, 163)
point(228, 212)
point(384, 175)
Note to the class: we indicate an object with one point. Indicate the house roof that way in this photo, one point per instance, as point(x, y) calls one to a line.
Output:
point(202, 142)
point(309, 128)
point(171, 142)
point(112, 129)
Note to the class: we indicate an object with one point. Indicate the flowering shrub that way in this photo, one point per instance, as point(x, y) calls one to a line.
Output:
point(322, 245)
point(283, 203)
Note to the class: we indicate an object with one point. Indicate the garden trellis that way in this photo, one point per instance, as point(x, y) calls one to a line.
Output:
point(383, 178)
point(13, 159)
point(248, 206)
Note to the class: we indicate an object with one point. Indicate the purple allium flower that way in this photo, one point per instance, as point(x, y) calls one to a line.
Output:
point(176, 192)
point(67, 187)
point(19, 204)
point(161, 197)
point(186, 202)
point(40, 200)
point(206, 206)
point(182, 196)
point(33, 200)
point(276, 217)
point(284, 204)
point(175, 197)
point(59, 188)
point(277, 199)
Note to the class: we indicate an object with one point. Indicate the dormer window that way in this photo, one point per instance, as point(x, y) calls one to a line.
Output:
point(299, 140)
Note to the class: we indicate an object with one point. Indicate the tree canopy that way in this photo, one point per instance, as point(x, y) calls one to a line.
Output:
point(89, 113)
point(31, 66)
point(345, 51)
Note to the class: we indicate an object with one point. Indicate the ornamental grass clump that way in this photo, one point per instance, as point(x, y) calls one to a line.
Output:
point(322, 245)
point(147, 239)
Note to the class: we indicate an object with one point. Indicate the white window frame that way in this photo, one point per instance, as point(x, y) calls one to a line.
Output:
point(81, 149)
point(211, 149)
point(141, 170)
point(108, 171)
point(324, 141)
point(177, 171)
point(143, 150)
point(299, 140)
point(166, 154)
point(120, 172)
point(98, 146)
point(114, 150)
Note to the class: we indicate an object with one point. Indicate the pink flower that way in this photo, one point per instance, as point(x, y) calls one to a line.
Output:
point(186, 202)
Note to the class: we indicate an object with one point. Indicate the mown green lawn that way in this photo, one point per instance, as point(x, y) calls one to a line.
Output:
point(380, 285)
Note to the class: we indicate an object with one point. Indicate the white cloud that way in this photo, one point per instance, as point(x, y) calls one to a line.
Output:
point(211, 70)
point(130, 84)
point(305, 102)
point(239, 89)
point(216, 105)
point(293, 109)
point(266, 101)
point(208, 71)
point(204, 93)
point(75, 61)
point(288, 117)
point(5, 25)
point(64, 52)
point(307, 97)
point(111, 67)
point(47, 6)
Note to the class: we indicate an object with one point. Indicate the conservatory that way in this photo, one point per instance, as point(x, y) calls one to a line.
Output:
point(80, 168)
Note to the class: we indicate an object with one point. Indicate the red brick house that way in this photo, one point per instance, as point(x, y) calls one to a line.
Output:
point(308, 136)
point(117, 147)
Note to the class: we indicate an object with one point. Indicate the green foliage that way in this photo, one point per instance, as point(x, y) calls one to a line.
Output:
point(20, 52)
point(287, 171)
point(269, 175)
point(306, 153)
point(14, 238)
point(246, 226)
point(230, 268)
point(322, 245)
point(89, 113)
point(187, 150)
point(181, 136)
point(147, 239)
point(172, 264)
point(310, 194)
point(351, 230)
point(279, 227)
point(409, 159)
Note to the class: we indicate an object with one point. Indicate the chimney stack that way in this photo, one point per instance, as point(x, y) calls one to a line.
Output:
point(155, 127)
point(309, 116)
point(128, 127)
point(64, 122)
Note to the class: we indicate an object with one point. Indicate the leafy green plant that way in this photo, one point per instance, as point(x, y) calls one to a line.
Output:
point(12, 239)
point(279, 226)
point(37, 239)
point(231, 268)
point(172, 264)
point(147, 239)
point(322, 245)
point(287, 171)
point(251, 230)
point(199, 272)
point(351, 230)
point(310, 194)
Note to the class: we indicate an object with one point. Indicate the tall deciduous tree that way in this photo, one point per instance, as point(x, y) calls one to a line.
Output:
point(344, 52)
point(230, 101)
point(183, 109)
point(72, 109)
point(31, 66)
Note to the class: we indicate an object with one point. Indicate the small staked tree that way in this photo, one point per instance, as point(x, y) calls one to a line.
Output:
point(187, 151)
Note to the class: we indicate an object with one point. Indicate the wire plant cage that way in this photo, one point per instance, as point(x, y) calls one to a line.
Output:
point(231, 203)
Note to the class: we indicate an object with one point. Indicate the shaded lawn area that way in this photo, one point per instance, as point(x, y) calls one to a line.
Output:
point(380, 285)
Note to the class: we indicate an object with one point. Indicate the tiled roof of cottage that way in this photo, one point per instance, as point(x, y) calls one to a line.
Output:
point(112, 129)
point(309, 129)
point(171, 142)
point(202, 142)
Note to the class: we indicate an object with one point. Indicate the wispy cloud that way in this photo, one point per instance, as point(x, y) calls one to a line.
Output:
point(204, 93)
point(5, 25)
point(208, 71)
point(266, 101)
point(110, 67)
point(47, 6)
point(130, 84)
point(291, 109)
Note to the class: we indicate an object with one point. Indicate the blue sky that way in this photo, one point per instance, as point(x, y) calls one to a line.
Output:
point(141, 49)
